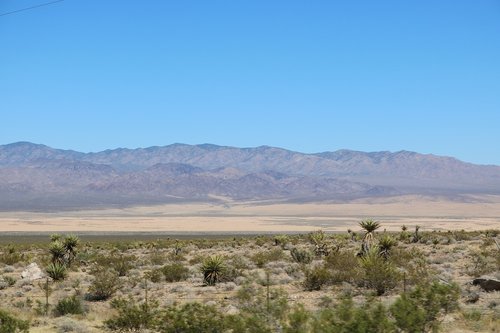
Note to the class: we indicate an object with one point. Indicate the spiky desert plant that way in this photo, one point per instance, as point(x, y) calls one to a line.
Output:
point(369, 226)
point(57, 251)
point(57, 271)
point(70, 243)
point(385, 245)
point(213, 269)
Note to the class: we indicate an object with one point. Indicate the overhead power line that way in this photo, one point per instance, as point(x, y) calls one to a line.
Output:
point(32, 7)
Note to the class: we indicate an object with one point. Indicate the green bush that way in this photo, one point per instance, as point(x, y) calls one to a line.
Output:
point(119, 263)
point(69, 305)
point(371, 317)
point(11, 255)
point(192, 318)
point(10, 324)
point(133, 317)
point(263, 257)
point(301, 256)
point(344, 266)
point(316, 278)
point(106, 282)
point(154, 275)
point(378, 273)
point(57, 271)
point(175, 272)
point(419, 310)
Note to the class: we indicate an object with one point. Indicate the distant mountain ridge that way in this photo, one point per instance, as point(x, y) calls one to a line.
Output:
point(34, 176)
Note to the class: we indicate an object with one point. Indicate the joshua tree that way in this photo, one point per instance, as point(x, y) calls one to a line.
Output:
point(70, 243)
point(416, 237)
point(369, 226)
point(57, 251)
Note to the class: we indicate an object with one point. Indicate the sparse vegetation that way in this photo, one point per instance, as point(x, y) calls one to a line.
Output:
point(257, 284)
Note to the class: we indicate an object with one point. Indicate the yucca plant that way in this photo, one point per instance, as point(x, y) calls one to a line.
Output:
point(57, 271)
point(385, 245)
point(57, 251)
point(70, 243)
point(213, 269)
point(369, 226)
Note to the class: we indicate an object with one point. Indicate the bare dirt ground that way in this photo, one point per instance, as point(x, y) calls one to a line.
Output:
point(431, 213)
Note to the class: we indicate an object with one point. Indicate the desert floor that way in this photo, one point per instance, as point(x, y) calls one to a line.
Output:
point(226, 217)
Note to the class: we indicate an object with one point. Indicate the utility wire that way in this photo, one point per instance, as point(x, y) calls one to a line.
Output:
point(32, 7)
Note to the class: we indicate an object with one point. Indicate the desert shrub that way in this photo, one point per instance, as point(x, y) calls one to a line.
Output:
point(378, 273)
point(263, 257)
point(175, 272)
point(9, 280)
point(259, 313)
point(316, 278)
point(133, 317)
point(213, 269)
point(69, 305)
point(343, 266)
point(298, 320)
point(155, 275)
point(119, 263)
point(419, 310)
point(65, 325)
point(461, 235)
point(192, 318)
point(281, 240)
point(371, 317)
point(482, 262)
point(11, 255)
point(57, 271)
point(301, 256)
point(104, 285)
point(10, 324)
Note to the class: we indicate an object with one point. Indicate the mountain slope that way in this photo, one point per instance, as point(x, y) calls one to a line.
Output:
point(37, 176)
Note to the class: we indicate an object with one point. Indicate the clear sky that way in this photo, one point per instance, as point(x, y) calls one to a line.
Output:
point(305, 75)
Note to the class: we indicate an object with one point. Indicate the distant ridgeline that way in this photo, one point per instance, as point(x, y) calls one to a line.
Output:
point(35, 176)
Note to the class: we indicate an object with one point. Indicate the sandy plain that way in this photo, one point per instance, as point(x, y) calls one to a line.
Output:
point(227, 217)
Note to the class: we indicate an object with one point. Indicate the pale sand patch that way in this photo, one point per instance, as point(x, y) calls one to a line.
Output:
point(432, 213)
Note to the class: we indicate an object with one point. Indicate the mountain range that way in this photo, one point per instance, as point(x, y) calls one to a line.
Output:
point(38, 177)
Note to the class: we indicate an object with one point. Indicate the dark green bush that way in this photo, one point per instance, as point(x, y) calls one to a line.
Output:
point(118, 262)
point(263, 257)
point(371, 317)
point(192, 318)
point(133, 317)
point(11, 255)
point(106, 282)
point(10, 324)
point(378, 273)
point(344, 266)
point(316, 278)
point(301, 256)
point(175, 272)
point(69, 305)
point(419, 310)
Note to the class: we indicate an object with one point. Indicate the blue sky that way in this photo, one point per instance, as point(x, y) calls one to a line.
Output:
point(304, 75)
